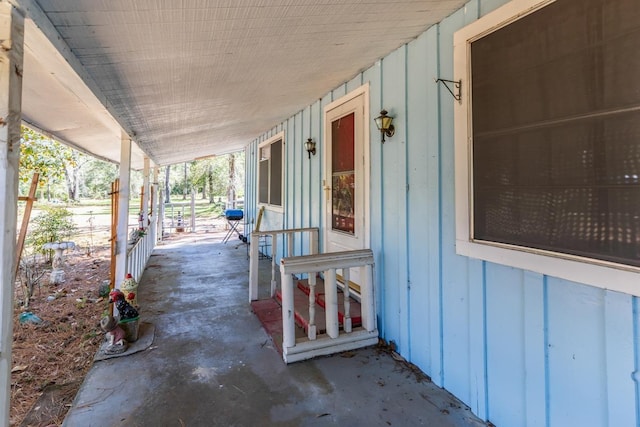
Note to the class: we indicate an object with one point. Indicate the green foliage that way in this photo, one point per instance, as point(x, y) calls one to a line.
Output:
point(98, 178)
point(53, 224)
point(41, 154)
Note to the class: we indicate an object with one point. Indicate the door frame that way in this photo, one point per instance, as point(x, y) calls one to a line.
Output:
point(362, 91)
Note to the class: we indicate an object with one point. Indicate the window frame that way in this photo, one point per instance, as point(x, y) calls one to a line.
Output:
point(598, 273)
point(278, 208)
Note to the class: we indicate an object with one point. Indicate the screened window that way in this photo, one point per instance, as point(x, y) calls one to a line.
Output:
point(270, 172)
point(556, 131)
point(547, 134)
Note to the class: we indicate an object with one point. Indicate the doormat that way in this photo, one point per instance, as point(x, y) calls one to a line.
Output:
point(146, 334)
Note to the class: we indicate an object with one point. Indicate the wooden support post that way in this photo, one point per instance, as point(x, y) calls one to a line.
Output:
point(274, 266)
point(115, 189)
point(145, 193)
point(253, 267)
point(11, 58)
point(123, 210)
point(25, 218)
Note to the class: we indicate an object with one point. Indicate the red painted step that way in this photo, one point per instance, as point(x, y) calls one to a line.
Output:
point(354, 309)
point(301, 305)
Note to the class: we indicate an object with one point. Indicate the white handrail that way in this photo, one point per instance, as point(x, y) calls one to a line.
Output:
point(254, 254)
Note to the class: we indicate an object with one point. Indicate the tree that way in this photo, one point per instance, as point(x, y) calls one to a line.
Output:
point(60, 166)
point(231, 185)
point(96, 179)
point(46, 156)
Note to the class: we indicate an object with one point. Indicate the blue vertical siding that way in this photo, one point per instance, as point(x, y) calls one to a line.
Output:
point(519, 348)
point(418, 202)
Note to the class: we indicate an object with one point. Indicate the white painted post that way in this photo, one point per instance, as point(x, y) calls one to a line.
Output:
point(346, 321)
point(312, 330)
point(123, 209)
point(193, 211)
point(313, 249)
point(146, 193)
point(11, 57)
point(288, 313)
point(160, 215)
point(368, 301)
point(274, 251)
point(253, 266)
point(331, 303)
point(289, 244)
point(313, 242)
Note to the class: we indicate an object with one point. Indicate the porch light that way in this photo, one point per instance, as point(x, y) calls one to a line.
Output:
point(310, 146)
point(384, 124)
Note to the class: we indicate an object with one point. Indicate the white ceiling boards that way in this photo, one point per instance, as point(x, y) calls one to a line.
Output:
point(191, 78)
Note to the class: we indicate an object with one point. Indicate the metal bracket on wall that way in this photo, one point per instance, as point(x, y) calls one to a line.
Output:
point(457, 86)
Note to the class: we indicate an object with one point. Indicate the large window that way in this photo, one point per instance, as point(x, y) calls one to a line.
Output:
point(270, 155)
point(552, 118)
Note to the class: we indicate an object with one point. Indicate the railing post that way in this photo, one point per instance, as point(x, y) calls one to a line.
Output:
point(346, 321)
point(312, 330)
point(288, 317)
point(313, 242)
point(253, 266)
point(331, 303)
point(368, 302)
point(274, 251)
point(289, 244)
point(193, 211)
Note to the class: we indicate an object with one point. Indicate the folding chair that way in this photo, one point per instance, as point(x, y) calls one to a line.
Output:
point(233, 217)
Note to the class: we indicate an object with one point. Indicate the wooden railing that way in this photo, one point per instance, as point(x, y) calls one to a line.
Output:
point(335, 339)
point(254, 253)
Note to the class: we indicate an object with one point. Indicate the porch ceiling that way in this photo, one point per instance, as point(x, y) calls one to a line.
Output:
point(192, 78)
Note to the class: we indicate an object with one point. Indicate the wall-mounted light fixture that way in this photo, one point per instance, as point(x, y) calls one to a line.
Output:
point(384, 124)
point(310, 146)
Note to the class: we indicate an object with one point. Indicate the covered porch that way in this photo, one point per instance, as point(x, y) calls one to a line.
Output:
point(212, 363)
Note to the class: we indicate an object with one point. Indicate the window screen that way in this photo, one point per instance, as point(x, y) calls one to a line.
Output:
point(270, 174)
point(556, 131)
point(276, 174)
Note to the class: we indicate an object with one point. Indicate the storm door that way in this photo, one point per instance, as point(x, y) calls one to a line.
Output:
point(346, 176)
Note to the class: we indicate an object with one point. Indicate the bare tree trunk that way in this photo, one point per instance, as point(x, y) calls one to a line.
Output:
point(210, 180)
point(231, 189)
point(167, 190)
point(70, 187)
point(185, 189)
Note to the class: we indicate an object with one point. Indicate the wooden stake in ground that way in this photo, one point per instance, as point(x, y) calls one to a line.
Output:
point(115, 191)
point(25, 218)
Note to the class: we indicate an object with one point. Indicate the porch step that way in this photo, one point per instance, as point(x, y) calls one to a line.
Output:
point(354, 310)
point(301, 305)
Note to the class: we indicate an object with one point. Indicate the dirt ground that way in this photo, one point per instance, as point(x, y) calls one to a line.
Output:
point(52, 357)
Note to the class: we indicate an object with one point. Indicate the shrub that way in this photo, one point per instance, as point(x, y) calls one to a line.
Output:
point(53, 224)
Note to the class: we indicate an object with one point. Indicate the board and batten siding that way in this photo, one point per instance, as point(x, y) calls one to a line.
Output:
point(520, 348)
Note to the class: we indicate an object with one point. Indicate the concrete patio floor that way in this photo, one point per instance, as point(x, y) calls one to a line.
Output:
point(212, 364)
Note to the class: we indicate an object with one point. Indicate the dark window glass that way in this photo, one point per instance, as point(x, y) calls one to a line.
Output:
point(276, 174)
point(556, 131)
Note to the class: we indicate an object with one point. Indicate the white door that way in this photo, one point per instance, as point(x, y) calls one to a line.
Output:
point(346, 174)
